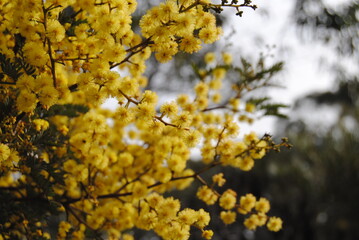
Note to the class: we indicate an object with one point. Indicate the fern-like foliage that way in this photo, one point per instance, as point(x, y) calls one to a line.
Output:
point(9, 68)
point(269, 108)
point(15, 68)
point(69, 110)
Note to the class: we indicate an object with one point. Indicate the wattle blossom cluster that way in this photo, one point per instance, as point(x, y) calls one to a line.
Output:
point(105, 172)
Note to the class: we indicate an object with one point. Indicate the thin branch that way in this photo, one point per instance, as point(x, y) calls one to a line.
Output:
point(10, 188)
point(114, 195)
point(47, 40)
point(223, 106)
point(74, 59)
point(127, 59)
point(129, 99)
point(132, 181)
point(159, 118)
point(237, 6)
point(142, 44)
point(9, 83)
point(188, 176)
point(53, 71)
point(181, 10)
point(118, 195)
point(69, 208)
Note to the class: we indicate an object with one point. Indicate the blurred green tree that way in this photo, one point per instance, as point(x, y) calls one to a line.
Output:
point(331, 21)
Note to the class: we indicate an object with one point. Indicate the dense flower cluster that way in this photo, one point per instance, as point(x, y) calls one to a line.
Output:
point(106, 171)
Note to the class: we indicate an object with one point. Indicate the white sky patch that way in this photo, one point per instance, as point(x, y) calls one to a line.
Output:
point(317, 117)
point(111, 104)
point(335, 4)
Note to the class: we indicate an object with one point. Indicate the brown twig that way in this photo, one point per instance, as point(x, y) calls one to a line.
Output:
point(47, 40)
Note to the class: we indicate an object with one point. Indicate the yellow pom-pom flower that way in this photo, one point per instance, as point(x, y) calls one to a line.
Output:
point(169, 109)
point(219, 179)
point(247, 203)
point(202, 218)
point(48, 96)
point(4, 152)
point(262, 205)
point(250, 107)
point(245, 164)
point(125, 159)
point(228, 199)
point(26, 101)
point(274, 224)
point(55, 31)
point(228, 217)
point(36, 54)
point(252, 222)
point(227, 58)
point(190, 44)
point(209, 57)
point(207, 234)
point(41, 124)
point(187, 216)
point(207, 195)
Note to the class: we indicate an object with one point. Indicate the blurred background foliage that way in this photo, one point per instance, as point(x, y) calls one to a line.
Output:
point(315, 186)
point(336, 24)
point(330, 21)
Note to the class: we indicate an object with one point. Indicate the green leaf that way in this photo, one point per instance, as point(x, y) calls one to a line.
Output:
point(13, 70)
point(195, 69)
point(70, 110)
point(68, 15)
point(273, 110)
point(258, 101)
